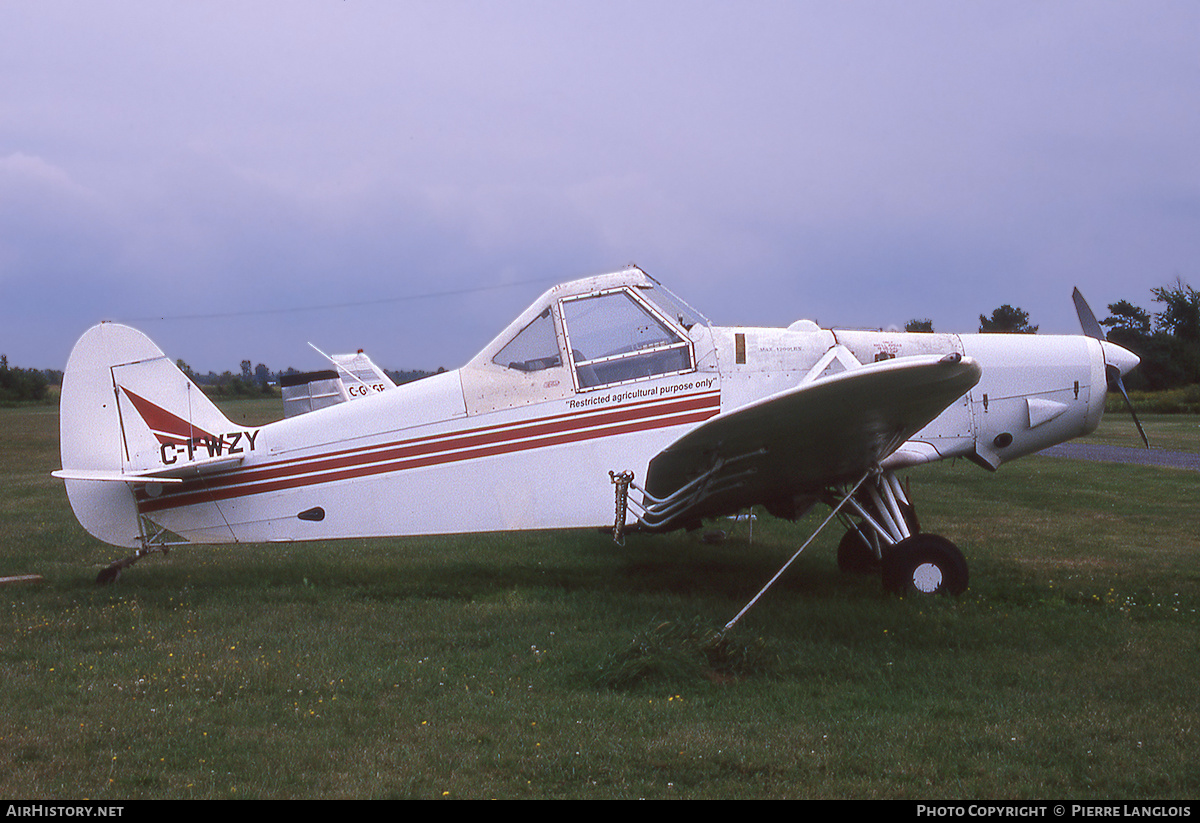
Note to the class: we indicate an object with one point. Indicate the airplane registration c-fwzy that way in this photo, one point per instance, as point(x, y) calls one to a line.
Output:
point(608, 403)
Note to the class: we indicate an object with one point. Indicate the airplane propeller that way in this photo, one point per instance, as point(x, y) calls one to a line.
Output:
point(1117, 361)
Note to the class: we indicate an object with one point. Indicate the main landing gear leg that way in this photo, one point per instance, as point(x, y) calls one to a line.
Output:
point(887, 540)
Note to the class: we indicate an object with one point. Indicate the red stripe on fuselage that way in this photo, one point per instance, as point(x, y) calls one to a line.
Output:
point(431, 450)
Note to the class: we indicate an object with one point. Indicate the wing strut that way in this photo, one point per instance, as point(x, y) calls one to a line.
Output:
point(833, 514)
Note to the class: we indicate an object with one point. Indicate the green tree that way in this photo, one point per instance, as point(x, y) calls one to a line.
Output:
point(21, 384)
point(262, 375)
point(1169, 347)
point(1181, 317)
point(1127, 321)
point(919, 325)
point(1007, 320)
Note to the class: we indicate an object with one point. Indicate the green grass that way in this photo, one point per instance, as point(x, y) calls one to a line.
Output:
point(558, 665)
point(1172, 432)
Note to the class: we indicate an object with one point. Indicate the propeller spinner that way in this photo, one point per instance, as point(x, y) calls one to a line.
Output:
point(1117, 361)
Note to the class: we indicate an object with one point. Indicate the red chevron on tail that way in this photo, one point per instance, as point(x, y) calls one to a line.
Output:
point(170, 429)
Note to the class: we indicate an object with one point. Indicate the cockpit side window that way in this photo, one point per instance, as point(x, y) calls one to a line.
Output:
point(534, 348)
point(615, 338)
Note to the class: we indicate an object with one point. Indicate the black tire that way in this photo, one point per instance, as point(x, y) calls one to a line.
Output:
point(854, 555)
point(925, 564)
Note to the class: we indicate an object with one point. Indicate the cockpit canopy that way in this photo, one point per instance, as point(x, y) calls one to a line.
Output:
point(605, 330)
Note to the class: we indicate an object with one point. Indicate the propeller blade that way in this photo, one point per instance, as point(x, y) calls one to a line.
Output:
point(1091, 328)
point(1087, 320)
point(1132, 413)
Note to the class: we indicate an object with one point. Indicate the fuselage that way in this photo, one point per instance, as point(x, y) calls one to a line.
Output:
point(596, 377)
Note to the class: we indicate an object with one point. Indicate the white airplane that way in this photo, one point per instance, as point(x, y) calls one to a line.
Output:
point(608, 403)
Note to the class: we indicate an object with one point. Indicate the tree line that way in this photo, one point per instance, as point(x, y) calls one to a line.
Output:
point(1004, 320)
point(1168, 341)
point(260, 379)
point(19, 385)
point(25, 384)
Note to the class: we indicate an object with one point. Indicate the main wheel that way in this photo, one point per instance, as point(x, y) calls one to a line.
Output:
point(925, 564)
point(854, 554)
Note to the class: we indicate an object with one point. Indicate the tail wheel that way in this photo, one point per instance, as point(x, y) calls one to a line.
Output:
point(925, 564)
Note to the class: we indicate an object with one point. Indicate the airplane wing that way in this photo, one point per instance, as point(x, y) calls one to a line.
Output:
point(801, 441)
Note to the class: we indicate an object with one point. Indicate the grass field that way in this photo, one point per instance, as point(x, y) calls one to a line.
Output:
point(558, 665)
point(1172, 432)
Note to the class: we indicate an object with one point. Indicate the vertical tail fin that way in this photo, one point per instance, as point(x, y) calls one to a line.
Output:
point(125, 409)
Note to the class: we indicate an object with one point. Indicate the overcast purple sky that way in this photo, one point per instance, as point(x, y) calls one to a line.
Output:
point(209, 171)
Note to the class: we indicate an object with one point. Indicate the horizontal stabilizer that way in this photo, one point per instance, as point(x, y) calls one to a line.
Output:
point(172, 474)
point(112, 477)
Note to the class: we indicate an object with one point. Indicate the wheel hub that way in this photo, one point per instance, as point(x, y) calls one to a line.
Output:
point(927, 578)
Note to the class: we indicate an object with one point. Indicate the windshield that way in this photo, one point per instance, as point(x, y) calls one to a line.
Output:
point(615, 339)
